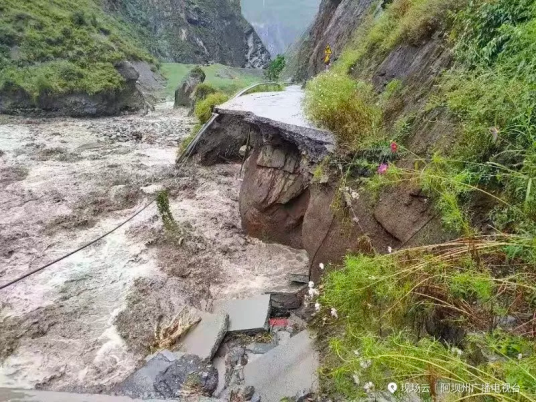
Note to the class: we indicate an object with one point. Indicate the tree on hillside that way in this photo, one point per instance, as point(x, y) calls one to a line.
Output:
point(273, 71)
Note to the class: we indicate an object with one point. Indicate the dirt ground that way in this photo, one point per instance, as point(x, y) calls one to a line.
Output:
point(86, 322)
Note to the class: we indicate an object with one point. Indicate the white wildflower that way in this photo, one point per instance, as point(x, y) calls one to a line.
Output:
point(356, 352)
point(389, 249)
point(356, 379)
point(457, 351)
point(368, 387)
point(365, 363)
point(321, 266)
point(311, 284)
point(313, 292)
point(520, 356)
point(317, 306)
point(355, 195)
point(334, 313)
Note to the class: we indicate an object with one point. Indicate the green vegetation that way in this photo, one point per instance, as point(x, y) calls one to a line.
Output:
point(274, 69)
point(203, 109)
point(383, 304)
point(162, 202)
point(404, 21)
point(203, 90)
point(223, 78)
point(395, 310)
point(63, 46)
point(344, 106)
point(266, 88)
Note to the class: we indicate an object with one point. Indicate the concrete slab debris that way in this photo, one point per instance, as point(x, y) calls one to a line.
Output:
point(299, 278)
point(246, 315)
point(164, 377)
point(284, 301)
point(140, 384)
point(30, 395)
point(205, 338)
point(285, 370)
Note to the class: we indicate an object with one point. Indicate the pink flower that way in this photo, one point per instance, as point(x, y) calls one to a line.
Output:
point(383, 168)
point(394, 147)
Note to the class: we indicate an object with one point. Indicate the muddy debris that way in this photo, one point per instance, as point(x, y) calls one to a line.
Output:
point(12, 174)
point(88, 322)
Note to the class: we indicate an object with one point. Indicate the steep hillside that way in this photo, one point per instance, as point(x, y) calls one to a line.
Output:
point(335, 24)
point(51, 49)
point(195, 31)
point(433, 105)
point(279, 23)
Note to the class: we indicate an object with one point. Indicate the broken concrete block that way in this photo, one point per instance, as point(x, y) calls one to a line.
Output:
point(299, 278)
point(285, 370)
point(140, 384)
point(204, 340)
point(246, 315)
point(30, 395)
point(283, 302)
point(187, 371)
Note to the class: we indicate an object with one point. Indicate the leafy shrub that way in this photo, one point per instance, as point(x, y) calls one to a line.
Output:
point(274, 69)
point(346, 107)
point(203, 90)
point(78, 18)
point(203, 109)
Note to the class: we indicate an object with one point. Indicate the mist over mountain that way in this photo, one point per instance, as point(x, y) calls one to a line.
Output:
point(279, 23)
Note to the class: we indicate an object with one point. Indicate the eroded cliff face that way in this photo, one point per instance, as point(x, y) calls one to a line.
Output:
point(334, 25)
point(195, 31)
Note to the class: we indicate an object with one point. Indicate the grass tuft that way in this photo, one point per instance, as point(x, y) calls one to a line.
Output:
point(346, 107)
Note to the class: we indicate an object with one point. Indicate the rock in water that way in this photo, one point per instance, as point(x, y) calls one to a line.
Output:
point(184, 92)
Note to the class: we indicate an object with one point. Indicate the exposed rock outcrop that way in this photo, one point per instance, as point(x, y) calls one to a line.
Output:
point(134, 95)
point(335, 24)
point(185, 90)
point(274, 195)
point(195, 31)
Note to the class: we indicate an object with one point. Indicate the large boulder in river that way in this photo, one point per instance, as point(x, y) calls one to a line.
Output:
point(185, 90)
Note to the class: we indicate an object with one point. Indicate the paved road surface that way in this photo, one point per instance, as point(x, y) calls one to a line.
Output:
point(284, 106)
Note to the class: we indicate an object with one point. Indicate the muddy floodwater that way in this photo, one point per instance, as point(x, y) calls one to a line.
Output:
point(88, 321)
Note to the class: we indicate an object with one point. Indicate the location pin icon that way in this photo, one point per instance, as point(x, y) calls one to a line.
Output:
point(392, 387)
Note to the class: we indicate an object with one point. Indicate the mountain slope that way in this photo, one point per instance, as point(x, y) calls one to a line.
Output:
point(195, 31)
point(63, 46)
point(433, 103)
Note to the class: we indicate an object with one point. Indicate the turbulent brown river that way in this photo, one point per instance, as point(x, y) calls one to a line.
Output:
point(86, 322)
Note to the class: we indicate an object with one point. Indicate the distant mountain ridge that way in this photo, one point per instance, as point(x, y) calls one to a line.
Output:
point(195, 31)
point(280, 23)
